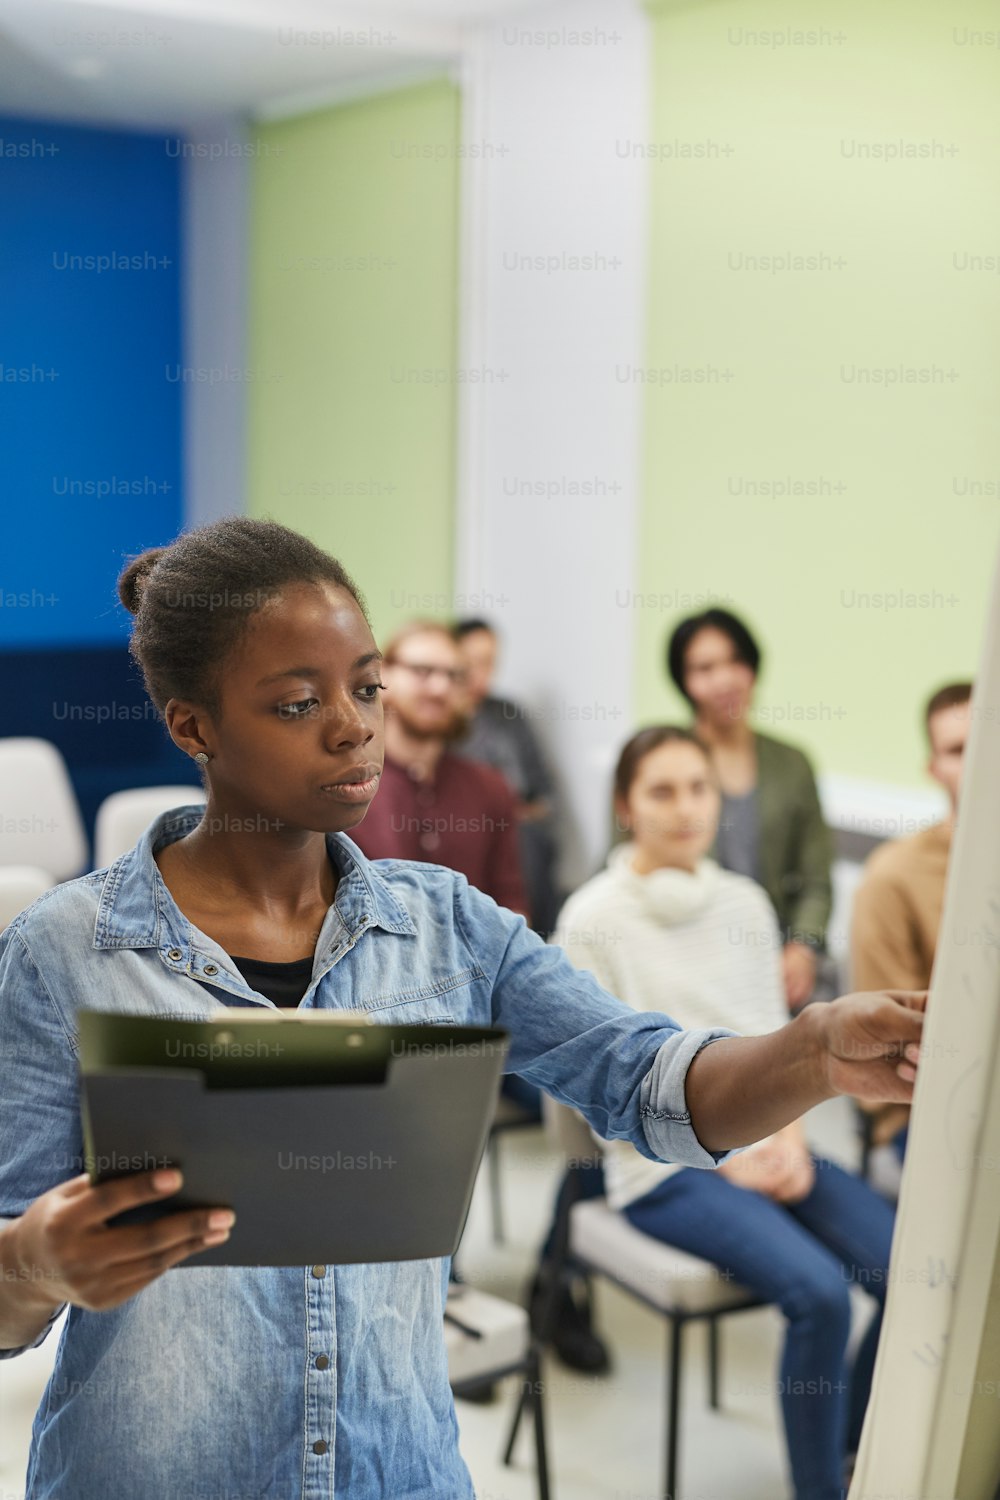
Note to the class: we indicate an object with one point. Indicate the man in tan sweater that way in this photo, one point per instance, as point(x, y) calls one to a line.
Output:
point(897, 906)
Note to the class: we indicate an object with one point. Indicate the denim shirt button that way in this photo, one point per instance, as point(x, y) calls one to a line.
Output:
point(321, 1446)
point(319, 1270)
point(211, 968)
point(322, 1362)
point(174, 954)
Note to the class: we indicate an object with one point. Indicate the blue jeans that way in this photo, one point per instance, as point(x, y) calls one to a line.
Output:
point(802, 1256)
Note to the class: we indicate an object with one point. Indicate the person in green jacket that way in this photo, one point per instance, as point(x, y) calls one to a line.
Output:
point(771, 826)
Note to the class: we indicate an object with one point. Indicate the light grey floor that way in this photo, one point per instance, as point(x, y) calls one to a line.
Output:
point(605, 1436)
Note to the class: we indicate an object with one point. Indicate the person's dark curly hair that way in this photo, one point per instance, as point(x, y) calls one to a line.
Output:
point(744, 646)
point(194, 600)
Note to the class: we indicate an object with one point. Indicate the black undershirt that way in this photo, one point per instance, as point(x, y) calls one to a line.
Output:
point(283, 984)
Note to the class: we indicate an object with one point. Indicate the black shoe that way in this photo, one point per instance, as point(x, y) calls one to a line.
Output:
point(572, 1335)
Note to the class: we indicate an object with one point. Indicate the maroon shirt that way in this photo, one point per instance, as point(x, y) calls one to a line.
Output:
point(463, 817)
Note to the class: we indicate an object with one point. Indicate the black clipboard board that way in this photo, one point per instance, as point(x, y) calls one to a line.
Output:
point(335, 1141)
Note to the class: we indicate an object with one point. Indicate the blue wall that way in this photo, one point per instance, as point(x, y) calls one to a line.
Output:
point(90, 436)
point(92, 404)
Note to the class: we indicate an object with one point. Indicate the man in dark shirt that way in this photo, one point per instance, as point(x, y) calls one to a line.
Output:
point(500, 734)
point(439, 807)
point(433, 805)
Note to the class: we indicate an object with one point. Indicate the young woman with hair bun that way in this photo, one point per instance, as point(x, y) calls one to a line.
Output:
point(303, 1382)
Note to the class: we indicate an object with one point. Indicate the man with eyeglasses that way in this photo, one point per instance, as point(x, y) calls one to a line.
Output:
point(438, 806)
point(433, 805)
point(501, 735)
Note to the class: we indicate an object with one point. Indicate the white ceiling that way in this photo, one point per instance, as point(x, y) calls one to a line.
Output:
point(176, 64)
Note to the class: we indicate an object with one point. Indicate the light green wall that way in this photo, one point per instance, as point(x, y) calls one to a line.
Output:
point(354, 229)
point(779, 124)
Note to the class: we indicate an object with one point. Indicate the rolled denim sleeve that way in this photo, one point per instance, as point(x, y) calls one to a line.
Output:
point(663, 1101)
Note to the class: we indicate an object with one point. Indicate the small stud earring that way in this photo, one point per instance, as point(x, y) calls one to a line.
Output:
point(202, 758)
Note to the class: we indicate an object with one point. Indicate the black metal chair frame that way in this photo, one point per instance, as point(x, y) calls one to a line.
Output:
point(560, 1270)
point(531, 1397)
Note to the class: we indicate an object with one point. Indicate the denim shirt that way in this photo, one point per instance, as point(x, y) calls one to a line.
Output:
point(233, 1383)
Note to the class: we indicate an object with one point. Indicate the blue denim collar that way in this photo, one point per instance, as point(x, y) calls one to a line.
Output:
point(137, 911)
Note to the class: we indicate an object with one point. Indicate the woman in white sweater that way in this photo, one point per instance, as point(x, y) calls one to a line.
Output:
point(664, 927)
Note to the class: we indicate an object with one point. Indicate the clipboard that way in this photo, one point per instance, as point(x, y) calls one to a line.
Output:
point(334, 1140)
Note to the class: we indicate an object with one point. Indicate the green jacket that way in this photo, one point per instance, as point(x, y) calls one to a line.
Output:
point(795, 845)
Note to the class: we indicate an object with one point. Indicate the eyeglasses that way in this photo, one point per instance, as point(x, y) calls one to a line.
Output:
point(426, 670)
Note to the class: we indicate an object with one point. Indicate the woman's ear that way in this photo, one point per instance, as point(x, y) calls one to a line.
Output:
point(623, 820)
point(185, 723)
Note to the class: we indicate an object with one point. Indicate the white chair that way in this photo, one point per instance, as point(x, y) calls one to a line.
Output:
point(678, 1286)
point(123, 817)
point(19, 886)
point(39, 814)
point(487, 1338)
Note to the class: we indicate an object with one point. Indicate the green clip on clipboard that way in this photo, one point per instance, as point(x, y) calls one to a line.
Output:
point(334, 1141)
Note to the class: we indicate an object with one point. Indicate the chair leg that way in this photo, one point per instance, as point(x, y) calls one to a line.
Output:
point(673, 1404)
point(713, 1363)
point(538, 1413)
point(496, 1203)
point(522, 1402)
point(531, 1396)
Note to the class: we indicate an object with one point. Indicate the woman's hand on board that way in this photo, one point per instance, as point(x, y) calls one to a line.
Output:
point(871, 1043)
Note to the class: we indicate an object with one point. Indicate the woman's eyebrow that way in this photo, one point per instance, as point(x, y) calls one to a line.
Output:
point(362, 661)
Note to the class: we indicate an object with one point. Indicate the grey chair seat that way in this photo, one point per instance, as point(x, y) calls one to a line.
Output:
point(503, 1329)
point(666, 1278)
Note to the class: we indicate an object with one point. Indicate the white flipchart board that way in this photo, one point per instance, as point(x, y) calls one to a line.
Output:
point(933, 1425)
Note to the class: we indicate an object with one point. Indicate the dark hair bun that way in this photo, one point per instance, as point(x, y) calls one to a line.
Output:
point(192, 601)
point(132, 580)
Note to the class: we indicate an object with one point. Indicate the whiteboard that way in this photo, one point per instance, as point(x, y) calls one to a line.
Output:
point(932, 1430)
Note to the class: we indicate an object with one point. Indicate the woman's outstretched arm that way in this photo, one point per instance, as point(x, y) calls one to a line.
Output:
point(740, 1089)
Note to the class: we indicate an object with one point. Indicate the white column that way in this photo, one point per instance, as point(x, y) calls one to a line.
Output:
point(553, 290)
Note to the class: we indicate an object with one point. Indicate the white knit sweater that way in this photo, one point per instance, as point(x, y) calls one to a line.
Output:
point(703, 947)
